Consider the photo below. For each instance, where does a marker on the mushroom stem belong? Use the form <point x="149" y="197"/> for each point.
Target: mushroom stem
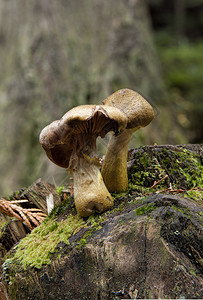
<point x="114" y="168"/>
<point x="90" y="192"/>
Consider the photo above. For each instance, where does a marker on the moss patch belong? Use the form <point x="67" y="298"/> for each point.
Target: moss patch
<point x="183" y="169"/>
<point x="93" y="224"/>
<point x="145" y="209"/>
<point x="145" y="170"/>
<point x="196" y="195"/>
<point x="43" y="243"/>
<point x="36" y="248"/>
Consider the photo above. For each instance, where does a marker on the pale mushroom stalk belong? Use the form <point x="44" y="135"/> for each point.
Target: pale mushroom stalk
<point x="71" y="143"/>
<point x="114" y="167"/>
<point x="139" y="114"/>
<point x="90" y="192"/>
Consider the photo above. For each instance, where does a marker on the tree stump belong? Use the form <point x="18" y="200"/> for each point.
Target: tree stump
<point x="37" y="195"/>
<point x="149" y="245"/>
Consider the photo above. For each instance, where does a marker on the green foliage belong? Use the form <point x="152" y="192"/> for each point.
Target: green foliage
<point x="183" y="66"/>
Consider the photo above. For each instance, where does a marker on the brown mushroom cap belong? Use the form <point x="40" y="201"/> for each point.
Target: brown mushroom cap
<point x="62" y="138"/>
<point x="138" y="111"/>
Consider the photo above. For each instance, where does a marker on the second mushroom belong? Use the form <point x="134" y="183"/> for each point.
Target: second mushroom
<point x="139" y="113"/>
<point x="71" y="143"/>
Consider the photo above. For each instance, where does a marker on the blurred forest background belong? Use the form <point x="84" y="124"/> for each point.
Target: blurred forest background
<point x="58" y="54"/>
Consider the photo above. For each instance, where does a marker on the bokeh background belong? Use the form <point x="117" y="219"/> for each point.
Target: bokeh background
<point x="58" y="54"/>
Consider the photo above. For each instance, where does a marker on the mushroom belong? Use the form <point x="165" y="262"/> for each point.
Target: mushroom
<point x="71" y="143"/>
<point x="139" y="113"/>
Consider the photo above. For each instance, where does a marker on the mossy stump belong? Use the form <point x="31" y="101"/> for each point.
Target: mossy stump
<point x="149" y="245"/>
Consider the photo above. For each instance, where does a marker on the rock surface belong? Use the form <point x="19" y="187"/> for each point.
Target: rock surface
<point x="149" y="245"/>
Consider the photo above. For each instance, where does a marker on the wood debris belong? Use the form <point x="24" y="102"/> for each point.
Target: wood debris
<point x="171" y="190"/>
<point x="178" y="191"/>
<point x="157" y="182"/>
<point x="32" y="217"/>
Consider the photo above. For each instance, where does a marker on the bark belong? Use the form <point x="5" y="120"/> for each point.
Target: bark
<point x="37" y="195"/>
<point x="12" y="233"/>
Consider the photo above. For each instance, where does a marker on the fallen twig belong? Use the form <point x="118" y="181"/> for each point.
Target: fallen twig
<point x="18" y="201"/>
<point x="165" y="190"/>
<point x="26" y="215"/>
<point x="178" y="191"/>
<point x="195" y="189"/>
<point x="156" y="182"/>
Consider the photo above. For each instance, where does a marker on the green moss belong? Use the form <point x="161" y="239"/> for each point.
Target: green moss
<point x="145" y="171"/>
<point x="119" y="195"/>
<point x="94" y="223"/>
<point x="4" y="224"/>
<point x="145" y="209"/>
<point x="183" y="167"/>
<point x="193" y="272"/>
<point x="196" y="195"/>
<point x="61" y="208"/>
<point x="185" y="211"/>
<point x="59" y="190"/>
<point x="36" y="248"/>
